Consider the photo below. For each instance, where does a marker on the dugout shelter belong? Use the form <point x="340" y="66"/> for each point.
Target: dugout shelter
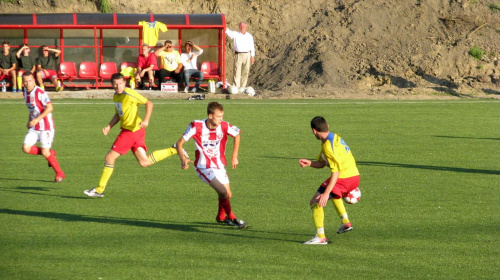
<point x="96" y="42"/>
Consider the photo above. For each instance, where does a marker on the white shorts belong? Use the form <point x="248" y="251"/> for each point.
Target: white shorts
<point x="45" y="137"/>
<point x="208" y="174"/>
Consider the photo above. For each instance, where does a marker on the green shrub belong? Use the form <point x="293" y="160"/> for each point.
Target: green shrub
<point x="106" y="7"/>
<point x="476" y="52"/>
<point x="495" y="7"/>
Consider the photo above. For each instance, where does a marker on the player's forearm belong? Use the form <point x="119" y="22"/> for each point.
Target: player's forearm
<point x="236" y="146"/>
<point x="318" y="164"/>
<point x="149" y="111"/>
<point x="333" y="181"/>
<point x="114" y="120"/>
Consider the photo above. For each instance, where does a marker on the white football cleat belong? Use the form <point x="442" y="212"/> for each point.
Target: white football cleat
<point x="316" y="241"/>
<point x="93" y="193"/>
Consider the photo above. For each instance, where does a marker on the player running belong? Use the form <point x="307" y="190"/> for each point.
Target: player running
<point x="133" y="133"/>
<point x="40" y="124"/>
<point x="344" y="178"/>
<point x="210" y="136"/>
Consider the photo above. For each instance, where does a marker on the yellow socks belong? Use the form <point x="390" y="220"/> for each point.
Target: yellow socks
<point x="160" y="155"/>
<point x="19" y="82"/>
<point x="339" y="206"/>
<point x="318" y="218"/>
<point x="106" y="174"/>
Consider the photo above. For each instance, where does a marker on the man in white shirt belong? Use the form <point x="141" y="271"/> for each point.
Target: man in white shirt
<point x="189" y="61"/>
<point x="244" y="54"/>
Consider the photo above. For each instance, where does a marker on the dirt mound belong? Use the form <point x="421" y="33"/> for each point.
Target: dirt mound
<point x="341" y="47"/>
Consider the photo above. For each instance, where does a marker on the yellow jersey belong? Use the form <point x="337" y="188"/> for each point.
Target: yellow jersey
<point x="337" y="155"/>
<point x="150" y="31"/>
<point x="127" y="105"/>
<point x="170" y="60"/>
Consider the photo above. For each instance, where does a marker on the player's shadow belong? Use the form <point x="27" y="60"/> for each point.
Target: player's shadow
<point x="429" y="167"/>
<point x="193" y="227"/>
<point x="44" y="191"/>
<point x="466" y="137"/>
<point x="24" y="180"/>
<point x="100" y="219"/>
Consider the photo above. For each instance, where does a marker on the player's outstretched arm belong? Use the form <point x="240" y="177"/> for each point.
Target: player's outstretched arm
<point x="315" y="164"/>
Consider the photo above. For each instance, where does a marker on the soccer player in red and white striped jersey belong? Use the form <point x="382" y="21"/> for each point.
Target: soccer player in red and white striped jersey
<point x="40" y="124"/>
<point x="210" y="136"/>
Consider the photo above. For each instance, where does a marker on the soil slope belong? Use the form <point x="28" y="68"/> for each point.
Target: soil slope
<point x="345" y="48"/>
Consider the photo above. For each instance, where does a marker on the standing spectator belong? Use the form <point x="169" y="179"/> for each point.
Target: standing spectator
<point x="344" y="178"/>
<point x="170" y="63"/>
<point x="40" y="124"/>
<point x="189" y="61"/>
<point x="146" y="63"/>
<point x="26" y="64"/>
<point x="46" y="66"/>
<point x="210" y="136"/>
<point x="244" y="55"/>
<point x="8" y="64"/>
<point x="132" y="135"/>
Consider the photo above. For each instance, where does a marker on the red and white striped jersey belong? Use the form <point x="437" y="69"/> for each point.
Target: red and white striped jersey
<point x="36" y="101"/>
<point x="210" y="143"/>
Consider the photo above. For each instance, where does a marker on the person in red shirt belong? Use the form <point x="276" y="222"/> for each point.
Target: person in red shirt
<point x="146" y="63"/>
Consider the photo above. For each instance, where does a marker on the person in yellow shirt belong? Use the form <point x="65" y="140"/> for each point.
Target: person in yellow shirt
<point x="344" y="178"/>
<point x="132" y="135"/>
<point x="170" y="64"/>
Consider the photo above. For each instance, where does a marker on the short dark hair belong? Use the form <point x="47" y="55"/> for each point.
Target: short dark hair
<point x="27" y="73"/>
<point x="319" y="124"/>
<point x="117" y="76"/>
<point x="167" y="42"/>
<point x="214" y="106"/>
<point x="5" y="43"/>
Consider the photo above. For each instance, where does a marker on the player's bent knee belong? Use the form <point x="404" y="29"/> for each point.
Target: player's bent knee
<point x="26" y="149"/>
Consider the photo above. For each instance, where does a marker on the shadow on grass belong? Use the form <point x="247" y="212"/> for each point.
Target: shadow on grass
<point x="99" y="219"/>
<point x="148" y="223"/>
<point x="429" y="167"/>
<point x="38" y="191"/>
<point x="463" y="137"/>
<point x="24" y="180"/>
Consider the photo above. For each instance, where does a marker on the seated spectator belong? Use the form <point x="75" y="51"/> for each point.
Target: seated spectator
<point x="170" y="63"/>
<point x="8" y="64"/>
<point x="188" y="60"/>
<point x="25" y="64"/>
<point x="146" y="63"/>
<point x="46" y="66"/>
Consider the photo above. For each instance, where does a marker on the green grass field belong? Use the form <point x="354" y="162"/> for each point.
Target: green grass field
<point x="429" y="210"/>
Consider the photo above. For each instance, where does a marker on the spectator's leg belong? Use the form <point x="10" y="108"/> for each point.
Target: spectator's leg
<point x="198" y="74"/>
<point x="187" y="75"/>
<point x="39" y="78"/>
<point x="237" y="69"/>
<point x="151" y="78"/>
<point x="162" y="75"/>
<point x="245" y="69"/>
<point x="13" y="75"/>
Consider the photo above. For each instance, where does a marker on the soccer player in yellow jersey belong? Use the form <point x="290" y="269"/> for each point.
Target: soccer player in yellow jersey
<point x="344" y="178"/>
<point x="132" y="135"/>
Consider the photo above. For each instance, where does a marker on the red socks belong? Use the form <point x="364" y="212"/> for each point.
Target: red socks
<point x="53" y="162"/>
<point x="225" y="207"/>
<point x="35" y="150"/>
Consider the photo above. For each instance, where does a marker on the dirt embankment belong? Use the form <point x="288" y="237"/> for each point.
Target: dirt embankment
<point x="347" y="48"/>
